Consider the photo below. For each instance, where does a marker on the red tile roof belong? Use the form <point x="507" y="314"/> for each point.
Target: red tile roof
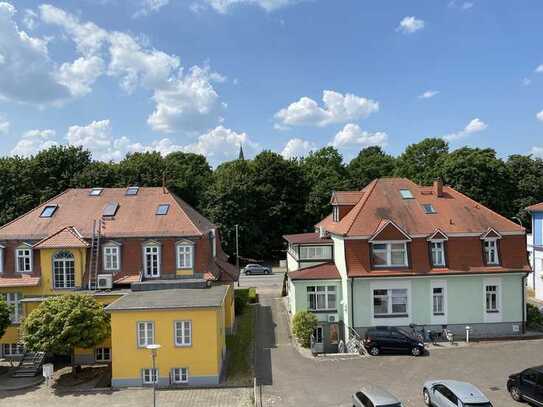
<point x="441" y="271"/>
<point x="22" y="281"/>
<point x="349" y="198"/>
<point x="306" y="238"/>
<point x="67" y="237"/>
<point x="135" y="216"/>
<point x="127" y="279"/>
<point x="455" y="212"/>
<point x="535" y="208"/>
<point x="326" y="271"/>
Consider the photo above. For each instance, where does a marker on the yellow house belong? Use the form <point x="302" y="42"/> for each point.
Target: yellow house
<point x="141" y="246"/>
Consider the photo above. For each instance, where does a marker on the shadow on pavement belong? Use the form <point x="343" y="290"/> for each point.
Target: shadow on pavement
<point x="265" y="341"/>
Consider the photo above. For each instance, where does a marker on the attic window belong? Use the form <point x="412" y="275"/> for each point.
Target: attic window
<point x="132" y="190"/>
<point x="48" y="211"/>
<point x="406" y="194"/>
<point x="162" y="209"/>
<point x="429" y="208"/>
<point x="110" y="209"/>
<point x="96" y="191"/>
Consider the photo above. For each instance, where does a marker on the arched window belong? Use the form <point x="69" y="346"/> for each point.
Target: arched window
<point x="64" y="270"/>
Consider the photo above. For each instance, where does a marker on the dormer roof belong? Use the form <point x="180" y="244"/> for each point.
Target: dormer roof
<point x="66" y="238"/>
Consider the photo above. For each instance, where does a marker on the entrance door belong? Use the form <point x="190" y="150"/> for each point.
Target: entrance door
<point x="317" y="344"/>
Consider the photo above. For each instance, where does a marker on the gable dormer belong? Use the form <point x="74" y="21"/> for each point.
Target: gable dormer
<point x="342" y="202"/>
<point x="389" y="231"/>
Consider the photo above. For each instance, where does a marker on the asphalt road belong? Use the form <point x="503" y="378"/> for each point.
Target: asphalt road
<point x="290" y="379"/>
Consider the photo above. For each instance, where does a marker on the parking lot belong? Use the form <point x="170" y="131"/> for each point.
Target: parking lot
<point x="290" y="379"/>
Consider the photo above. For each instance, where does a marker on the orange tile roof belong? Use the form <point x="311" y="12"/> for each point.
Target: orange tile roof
<point x="326" y="271"/>
<point x="535" y="208"/>
<point x="135" y="216"/>
<point x="127" y="279"/>
<point x="67" y="237"/>
<point x="455" y="212"/>
<point x="22" y="281"/>
<point x="349" y="198"/>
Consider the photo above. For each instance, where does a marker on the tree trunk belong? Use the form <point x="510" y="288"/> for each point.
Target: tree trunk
<point x="75" y="367"/>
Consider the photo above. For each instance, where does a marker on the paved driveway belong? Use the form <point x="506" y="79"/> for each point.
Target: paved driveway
<point x="290" y="379"/>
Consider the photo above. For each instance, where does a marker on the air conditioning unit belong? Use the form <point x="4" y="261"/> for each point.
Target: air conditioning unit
<point x="104" y="281"/>
<point x="332" y="318"/>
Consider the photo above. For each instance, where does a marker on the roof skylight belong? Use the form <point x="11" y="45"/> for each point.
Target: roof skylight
<point x="132" y="190"/>
<point x="162" y="209"/>
<point x="429" y="208"/>
<point x="48" y="211"/>
<point x="110" y="209"/>
<point x="96" y="191"/>
<point x="406" y="194"/>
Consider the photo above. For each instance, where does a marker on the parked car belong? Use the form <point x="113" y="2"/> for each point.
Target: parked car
<point x="256" y="269"/>
<point x="448" y="393"/>
<point x="390" y="339"/>
<point x="527" y="386"/>
<point x="375" y="396"/>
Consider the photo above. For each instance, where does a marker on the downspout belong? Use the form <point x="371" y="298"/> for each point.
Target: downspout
<point x="352" y="303"/>
<point x="523" y="286"/>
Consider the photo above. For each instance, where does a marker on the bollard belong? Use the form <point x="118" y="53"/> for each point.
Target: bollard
<point x="468" y="329"/>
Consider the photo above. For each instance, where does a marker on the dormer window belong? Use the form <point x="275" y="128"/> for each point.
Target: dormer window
<point x="389" y="254"/>
<point x="48" y="211"/>
<point x="24" y="259"/>
<point x="335" y="213"/>
<point x="438" y="253"/>
<point x="491" y="251"/>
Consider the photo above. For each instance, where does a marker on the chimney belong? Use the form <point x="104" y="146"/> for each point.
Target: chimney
<point x="438" y="188"/>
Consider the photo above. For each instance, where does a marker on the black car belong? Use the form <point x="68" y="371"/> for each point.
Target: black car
<point x="527" y="386"/>
<point x="389" y="339"/>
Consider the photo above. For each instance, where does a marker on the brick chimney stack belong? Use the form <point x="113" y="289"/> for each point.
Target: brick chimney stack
<point x="438" y="188"/>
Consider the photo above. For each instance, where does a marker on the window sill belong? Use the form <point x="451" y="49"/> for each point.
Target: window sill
<point x="391" y="316"/>
<point x="438" y="314"/>
<point x="322" y="311"/>
<point x="391" y="266"/>
<point x="183" y="346"/>
<point x="493" y="312"/>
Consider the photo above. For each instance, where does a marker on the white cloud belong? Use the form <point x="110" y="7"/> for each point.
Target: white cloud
<point x="297" y="147"/>
<point x="4" y="125"/>
<point x="526" y="82"/>
<point x="34" y="141"/>
<point x="187" y="103"/>
<point x="223" y="6"/>
<point x="410" y="24"/>
<point x="220" y="144"/>
<point x="150" y="6"/>
<point x="540" y="116"/>
<point x="81" y="74"/>
<point x="338" y="108"/>
<point x="30" y="19"/>
<point x="474" y="126"/>
<point x="537" y="152"/>
<point x="428" y="94"/>
<point x="352" y="135"/>
<point x="27" y="71"/>
<point x="539" y="69"/>
<point x="466" y="5"/>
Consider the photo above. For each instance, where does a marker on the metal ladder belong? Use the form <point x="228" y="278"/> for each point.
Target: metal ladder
<point x="94" y="253"/>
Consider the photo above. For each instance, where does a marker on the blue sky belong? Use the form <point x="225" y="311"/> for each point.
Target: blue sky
<point x="206" y="75"/>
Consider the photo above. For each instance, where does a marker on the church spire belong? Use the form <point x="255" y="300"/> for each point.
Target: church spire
<point x="241" y="156"/>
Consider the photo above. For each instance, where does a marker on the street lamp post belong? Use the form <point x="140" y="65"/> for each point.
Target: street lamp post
<point x="237" y="250"/>
<point x="154" y="374"/>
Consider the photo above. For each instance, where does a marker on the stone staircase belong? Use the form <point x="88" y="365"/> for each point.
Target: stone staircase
<point x="30" y="364"/>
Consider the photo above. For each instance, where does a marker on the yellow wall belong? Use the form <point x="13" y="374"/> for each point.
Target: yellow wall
<point x="184" y="272"/>
<point x="229" y="308"/>
<point x="46" y="262"/>
<point x="202" y="358"/>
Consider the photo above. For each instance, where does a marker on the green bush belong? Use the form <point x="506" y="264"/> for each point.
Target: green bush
<point x="534" y="318"/>
<point x="303" y="324"/>
<point x="253" y="296"/>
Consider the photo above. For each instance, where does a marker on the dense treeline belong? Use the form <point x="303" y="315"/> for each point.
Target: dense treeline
<point x="269" y="196"/>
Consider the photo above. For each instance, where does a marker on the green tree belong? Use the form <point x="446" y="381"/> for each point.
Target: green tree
<point x="420" y="162"/>
<point x="479" y="174"/>
<point x="60" y="324"/>
<point x="324" y="173"/>
<point x="280" y="195"/>
<point x="370" y="163"/>
<point x="142" y="169"/>
<point x="188" y="175"/>
<point x="527" y="176"/>
<point x="4" y="316"/>
<point x="303" y="324"/>
<point x="17" y="194"/>
<point x="99" y="174"/>
<point x="230" y="200"/>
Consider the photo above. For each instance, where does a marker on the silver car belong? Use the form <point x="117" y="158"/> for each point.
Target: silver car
<point x="450" y="393"/>
<point x="255" y="269"/>
<point x="375" y="396"/>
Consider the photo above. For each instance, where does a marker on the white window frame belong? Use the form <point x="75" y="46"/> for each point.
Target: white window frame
<point x="100" y="354"/>
<point x="114" y="253"/>
<point x="438" y="318"/>
<point x="146" y="338"/>
<point x="492" y="315"/>
<point x="388" y="252"/>
<point x="13" y="299"/>
<point x="180" y="375"/>
<point x="495" y="292"/>
<point x="389" y="296"/>
<point x="181" y="337"/>
<point x="324" y="293"/>
<point x="24" y="252"/>
<point x="12" y="349"/>
<point x="440" y="294"/>
<point x="146" y="248"/>
<point x="1" y="259"/>
<point x="488" y="250"/>
<point x="185" y="253"/>
<point x="437" y="251"/>
<point x="151" y="374"/>
<point x="322" y="252"/>
<point x="65" y="275"/>
<point x="335" y="213"/>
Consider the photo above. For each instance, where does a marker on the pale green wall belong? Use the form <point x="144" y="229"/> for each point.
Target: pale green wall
<point x="299" y="294"/>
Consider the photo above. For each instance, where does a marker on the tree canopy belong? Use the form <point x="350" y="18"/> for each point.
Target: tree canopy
<point x="4" y="316"/>
<point x="420" y="162"/>
<point x="60" y="324"/>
